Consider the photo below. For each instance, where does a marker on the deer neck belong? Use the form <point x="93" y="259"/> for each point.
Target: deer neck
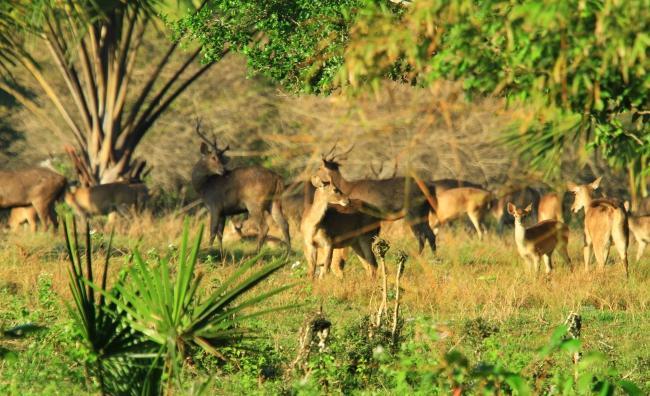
<point x="317" y="209"/>
<point x="340" y="182"/>
<point x="200" y="177"/>
<point x="520" y="234"/>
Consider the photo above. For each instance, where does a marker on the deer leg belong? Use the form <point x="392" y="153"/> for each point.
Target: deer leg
<point x="422" y="230"/>
<point x="262" y="227"/>
<point x="337" y="262"/>
<point x="311" y="255"/>
<point x="535" y="264"/>
<point x="363" y="249"/>
<point x="476" y="222"/>
<point x="547" y="263"/>
<point x="215" y="218"/>
<point x="31" y="220"/>
<point x="43" y="211"/>
<point x="586" y="250"/>
<point x="639" y="252"/>
<point x="621" y="244"/>
<point x="281" y="221"/>
<point x="434" y="223"/>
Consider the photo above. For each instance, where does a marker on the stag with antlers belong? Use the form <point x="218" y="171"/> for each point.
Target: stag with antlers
<point x="392" y="198"/>
<point x="252" y="189"/>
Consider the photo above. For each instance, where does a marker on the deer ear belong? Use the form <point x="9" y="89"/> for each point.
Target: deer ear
<point x="317" y="182"/>
<point x="596" y="183"/>
<point x="529" y="208"/>
<point x="511" y="208"/>
<point x="204" y="148"/>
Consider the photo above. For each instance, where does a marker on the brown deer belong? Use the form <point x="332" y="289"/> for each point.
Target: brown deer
<point x="455" y="202"/>
<point x="38" y="187"/>
<point x="22" y="214"/>
<point x="447" y="184"/>
<point x="550" y="207"/>
<point x="393" y="198"/>
<point x="518" y="196"/>
<point x="106" y="198"/>
<point x="605" y="220"/>
<point x="639" y="226"/>
<point x="537" y="243"/>
<point x="640" y="229"/>
<point x="252" y="189"/>
<point x="333" y="221"/>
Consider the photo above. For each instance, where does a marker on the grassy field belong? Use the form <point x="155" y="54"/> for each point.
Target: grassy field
<point x="473" y="298"/>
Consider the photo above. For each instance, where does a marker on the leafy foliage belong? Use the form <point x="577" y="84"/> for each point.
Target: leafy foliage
<point x="122" y="360"/>
<point x="139" y="332"/>
<point x="297" y="43"/>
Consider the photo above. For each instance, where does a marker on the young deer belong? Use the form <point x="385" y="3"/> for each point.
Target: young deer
<point x="332" y="221"/>
<point x="455" y="202"/>
<point x="605" y="220"/>
<point x="538" y="241"/>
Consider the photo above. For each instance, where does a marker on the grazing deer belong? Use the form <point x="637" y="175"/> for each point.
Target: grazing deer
<point x="538" y="242"/>
<point x="22" y="214"/>
<point x="519" y="197"/>
<point x="605" y="220"/>
<point x="106" y="198"/>
<point x="393" y="198"/>
<point x="252" y="189"/>
<point x="550" y="207"/>
<point x="38" y="187"/>
<point x="333" y="221"/>
<point x="455" y="202"/>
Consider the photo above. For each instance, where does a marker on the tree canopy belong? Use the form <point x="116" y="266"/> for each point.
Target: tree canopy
<point x="581" y="65"/>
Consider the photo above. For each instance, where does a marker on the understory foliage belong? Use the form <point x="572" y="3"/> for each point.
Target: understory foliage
<point x="139" y="332"/>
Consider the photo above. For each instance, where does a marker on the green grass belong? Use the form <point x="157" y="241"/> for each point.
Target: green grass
<point x="474" y="298"/>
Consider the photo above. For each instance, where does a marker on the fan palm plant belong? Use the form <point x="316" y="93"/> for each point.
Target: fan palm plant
<point x="162" y="303"/>
<point x="122" y="360"/>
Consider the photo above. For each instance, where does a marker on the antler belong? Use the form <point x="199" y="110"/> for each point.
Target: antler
<point x="330" y="156"/>
<point x="213" y="142"/>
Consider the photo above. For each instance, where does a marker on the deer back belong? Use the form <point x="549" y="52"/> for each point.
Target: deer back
<point x="22" y="187"/>
<point x="242" y="188"/>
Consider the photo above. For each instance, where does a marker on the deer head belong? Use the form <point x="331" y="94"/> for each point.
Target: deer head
<point x="212" y="156"/>
<point x="519" y="214"/>
<point x="582" y="193"/>
<point x="329" y="169"/>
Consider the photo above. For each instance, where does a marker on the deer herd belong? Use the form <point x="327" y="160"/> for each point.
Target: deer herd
<point x="333" y="213"/>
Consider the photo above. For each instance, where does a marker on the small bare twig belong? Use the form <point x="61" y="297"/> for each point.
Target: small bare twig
<point x="379" y="248"/>
<point x="401" y="260"/>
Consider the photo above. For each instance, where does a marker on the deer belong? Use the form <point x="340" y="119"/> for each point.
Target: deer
<point x="22" y="214"/>
<point x="334" y="221"/>
<point x="640" y="228"/>
<point x="605" y="220"/>
<point x="393" y="198"/>
<point x="38" y="187"/>
<point x="537" y="242"/>
<point x="455" y="202"/>
<point x="518" y="196"/>
<point x="447" y="184"/>
<point x="251" y="189"/>
<point x="106" y="198"/>
<point x="550" y="207"/>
